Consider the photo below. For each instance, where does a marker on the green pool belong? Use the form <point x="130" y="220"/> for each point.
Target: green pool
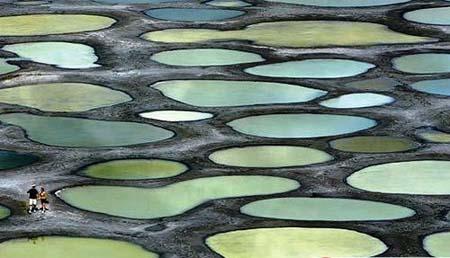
<point x="300" y="125"/>
<point x="209" y="93"/>
<point x="312" y="68"/>
<point x="435" y="136"/>
<point x="71" y="247"/>
<point x="295" y="242"/>
<point x="80" y="132"/>
<point x="435" y="16"/>
<point x="440" y="87"/>
<point x="205" y="57"/>
<point x="437" y="244"/>
<point x="12" y="159"/>
<point x="269" y="156"/>
<point x="429" y="63"/>
<point x="341" y="3"/>
<point x="295" y="34"/>
<point x="176" y="115"/>
<point x="63" y="97"/>
<point x="424" y="177"/>
<point x="357" y="100"/>
<point x="133" y="169"/>
<point x="45" y="24"/>
<point x="7" y="68"/>
<point x="373" y="144"/>
<point x="325" y="209"/>
<point x="60" y="54"/>
<point x="4" y="212"/>
<point x="172" y="199"/>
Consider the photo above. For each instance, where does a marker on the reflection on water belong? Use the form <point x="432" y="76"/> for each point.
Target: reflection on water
<point x="441" y="87"/>
<point x="173" y="199"/>
<point x="71" y="247"/>
<point x="193" y="14"/>
<point x="79" y="132"/>
<point x="209" y="93"/>
<point x="176" y="115"/>
<point x="290" y="242"/>
<point x="325" y="209"/>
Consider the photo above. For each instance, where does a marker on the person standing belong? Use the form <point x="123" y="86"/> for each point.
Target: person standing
<point x="43" y="198"/>
<point x="32" y="196"/>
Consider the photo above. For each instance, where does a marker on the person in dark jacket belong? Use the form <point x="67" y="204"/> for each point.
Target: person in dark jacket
<point x="33" y="195"/>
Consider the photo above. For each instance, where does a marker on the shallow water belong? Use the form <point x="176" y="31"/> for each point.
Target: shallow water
<point x="172" y="199"/>
<point x="341" y="3"/>
<point x="7" y="68"/>
<point x="325" y="209"/>
<point x="312" y="68"/>
<point x="63" y="97"/>
<point x="383" y="83"/>
<point x="357" y="100"/>
<point x="295" y="34"/>
<point x="205" y="57"/>
<point x="228" y="3"/>
<point x="300" y="125"/>
<point x="437" y="244"/>
<point x="71" y="247"/>
<point x="4" y="212"/>
<point x="441" y="87"/>
<point x="436" y="16"/>
<point x="45" y="24"/>
<point x="80" y="132"/>
<point x="60" y="54"/>
<point x="424" y="177"/>
<point x="134" y="1"/>
<point x="373" y="144"/>
<point x="133" y="169"/>
<point x="176" y="115"/>
<point x="209" y="93"/>
<point x="193" y="14"/>
<point x="423" y="63"/>
<point x="293" y="242"/>
<point x="12" y="159"/>
<point x="435" y="136"/>
<point x="269" y="156"/>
